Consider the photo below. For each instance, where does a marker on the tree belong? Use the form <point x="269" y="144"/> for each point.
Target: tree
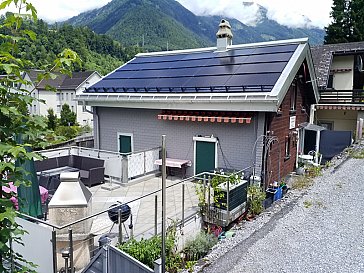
<point x="51" y="119"/>
<point x="68" y="118"/>
<point x="14" y="120"/>
<point x="347" y="22"/>
<point x="357" y="20"/>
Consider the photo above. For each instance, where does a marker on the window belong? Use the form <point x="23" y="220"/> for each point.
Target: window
<point x="62" y="96"/>
<point x="293" y="97"/>
<point x="66" y="96"/>
<point x="72" y="95"/>
<point x="330" y="81"/>
<point x="58" y="109"/>
<point x="125" y="143"/>
<point x="287" y="147"/>
<point x="35" y="109"/>
<point x="329" y="125"/>
<point x="58" y="95"/>
<point x="72" y="108"/>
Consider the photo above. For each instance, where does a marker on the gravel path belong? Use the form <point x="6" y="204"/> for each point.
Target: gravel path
<point x="317" y="230"/>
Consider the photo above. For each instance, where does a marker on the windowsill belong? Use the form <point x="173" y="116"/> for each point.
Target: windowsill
<point x="291" y="112"/>
<point x="287" y="158"/>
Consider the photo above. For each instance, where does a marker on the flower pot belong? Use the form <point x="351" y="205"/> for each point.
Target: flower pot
<point x="300" y="170"/>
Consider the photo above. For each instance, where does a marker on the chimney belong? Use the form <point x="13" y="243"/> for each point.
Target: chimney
<point x="224" y="35"/>
<point x="72" y="202"/>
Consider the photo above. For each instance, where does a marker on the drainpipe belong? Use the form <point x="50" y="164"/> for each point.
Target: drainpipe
<point x="312" y="113"/>
<point x="97" y="127"/>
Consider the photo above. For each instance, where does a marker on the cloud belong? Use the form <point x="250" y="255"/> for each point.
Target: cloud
<point x="59" y="10"/>
<point x="292" y="13"/>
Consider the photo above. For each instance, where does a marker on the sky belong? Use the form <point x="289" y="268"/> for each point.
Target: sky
<point x="292" y="13"/>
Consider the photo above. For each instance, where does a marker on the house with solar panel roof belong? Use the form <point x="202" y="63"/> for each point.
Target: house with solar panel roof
<point x="229" y="106"/>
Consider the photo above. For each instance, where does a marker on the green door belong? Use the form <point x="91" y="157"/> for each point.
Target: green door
<point x="124" y="144"/>
<point x="205" y="156"/>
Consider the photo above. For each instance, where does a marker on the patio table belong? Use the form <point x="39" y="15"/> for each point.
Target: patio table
<point x="175" y="163"/>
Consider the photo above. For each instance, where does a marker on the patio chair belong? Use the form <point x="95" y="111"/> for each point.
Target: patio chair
<point x="312" y="162"/>
<point x="44" y="180"/>
<point x="53" y="185"/>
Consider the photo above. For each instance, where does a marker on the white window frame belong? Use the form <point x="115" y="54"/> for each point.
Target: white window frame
<point x="125" y="134"/>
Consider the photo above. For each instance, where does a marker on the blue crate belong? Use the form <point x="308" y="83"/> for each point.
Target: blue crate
<point x="275" y="192"/>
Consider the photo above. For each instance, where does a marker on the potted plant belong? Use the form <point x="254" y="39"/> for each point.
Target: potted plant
<point x="256" y="196"/>
<point x="301" y="168"/>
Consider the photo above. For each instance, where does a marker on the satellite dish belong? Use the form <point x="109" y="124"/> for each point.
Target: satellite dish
<point x="114" y="211"/>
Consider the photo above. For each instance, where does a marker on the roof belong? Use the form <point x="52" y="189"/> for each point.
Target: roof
<point x="322" y="57"/>
<point x="264" y="70"/>
<point x="62" y="82"/>
<point x="311" y="127"/>
<point x="116" y="261"/>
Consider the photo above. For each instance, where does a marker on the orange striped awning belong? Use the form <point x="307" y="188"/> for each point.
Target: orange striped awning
<point x="340" y="107"/>
<point x="202" y="116"/>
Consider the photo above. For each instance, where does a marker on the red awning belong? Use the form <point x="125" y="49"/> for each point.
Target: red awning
<point x="340" y="107"/>
<point x="200" y="116"/>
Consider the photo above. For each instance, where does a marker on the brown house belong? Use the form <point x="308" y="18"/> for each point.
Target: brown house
<point x="340" y="79"/>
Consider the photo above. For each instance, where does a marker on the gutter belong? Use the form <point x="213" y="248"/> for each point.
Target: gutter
<point x="95" y="114"/>
<point x="204" y="101"/>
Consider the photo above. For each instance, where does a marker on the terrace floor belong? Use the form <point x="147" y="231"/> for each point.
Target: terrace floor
<point x="143" y="210"/>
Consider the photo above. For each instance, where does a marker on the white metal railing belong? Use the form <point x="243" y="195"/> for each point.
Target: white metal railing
<point x="135" y="164"/>
<point x="141" y="163"/>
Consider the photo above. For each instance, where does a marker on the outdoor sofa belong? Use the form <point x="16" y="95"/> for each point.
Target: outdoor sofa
<point x="91" y="169"/>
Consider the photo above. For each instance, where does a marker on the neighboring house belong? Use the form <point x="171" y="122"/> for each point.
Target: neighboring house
<point x="213" y="104"/>
<point x="66" y="90"/>
<point x="340" y="79"/>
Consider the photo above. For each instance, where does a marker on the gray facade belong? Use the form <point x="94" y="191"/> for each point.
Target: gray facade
<point x="235" y="140"/>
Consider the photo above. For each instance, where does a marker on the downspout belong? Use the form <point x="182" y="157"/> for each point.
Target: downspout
<point x="96" y="122"/>
<point x="264" y="159"/>
<point x="312" y="113"/>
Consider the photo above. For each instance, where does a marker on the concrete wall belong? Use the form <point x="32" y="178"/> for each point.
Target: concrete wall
<point x="235" y="140"/>
<point x="50" y="102"/>
<point x="342" y="119"/>
<point x="84" y="118"/>
<point x="343" y="80"/>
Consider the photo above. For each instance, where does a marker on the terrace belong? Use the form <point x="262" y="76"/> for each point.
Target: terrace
<point x="333" y="96"/>
<point x="129" y="180"/>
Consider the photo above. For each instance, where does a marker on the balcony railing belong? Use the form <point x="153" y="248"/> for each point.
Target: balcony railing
<point x="355" y="96"/>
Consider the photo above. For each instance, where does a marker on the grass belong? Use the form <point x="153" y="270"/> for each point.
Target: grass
<point x="317" y="204"/>
<point x="302" y="182"/>
<point x="357" y="154"/>
<point x="307" y="203"/>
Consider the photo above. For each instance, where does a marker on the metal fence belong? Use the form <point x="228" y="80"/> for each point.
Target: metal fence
<point x="72" y="249"/>
<point x="342" y="96"/>
<point x="118" y="167"/>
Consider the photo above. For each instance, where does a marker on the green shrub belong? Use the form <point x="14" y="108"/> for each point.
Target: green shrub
<point x="255" y="200"/>
<point x="68" y="132"/>
<point x="148" y="250"/>
<point x="199" y="246"/>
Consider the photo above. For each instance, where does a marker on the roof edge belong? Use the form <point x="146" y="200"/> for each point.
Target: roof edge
<point x="208" y="49"/>
<point x="203" y="101"/>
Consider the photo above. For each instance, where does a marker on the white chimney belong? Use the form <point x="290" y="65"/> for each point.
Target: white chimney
<point x="224" y="35"/>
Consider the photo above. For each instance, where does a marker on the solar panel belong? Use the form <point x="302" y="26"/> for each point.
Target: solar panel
<point x="253" y="79"/>
<point x="261" y="68"/>
<point x="236" y="70"/>
<point x="207" y="81"/>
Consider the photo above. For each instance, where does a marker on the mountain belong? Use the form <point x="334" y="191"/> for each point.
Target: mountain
<point x="97" y="52"/>
<point x="166" y="24"/>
